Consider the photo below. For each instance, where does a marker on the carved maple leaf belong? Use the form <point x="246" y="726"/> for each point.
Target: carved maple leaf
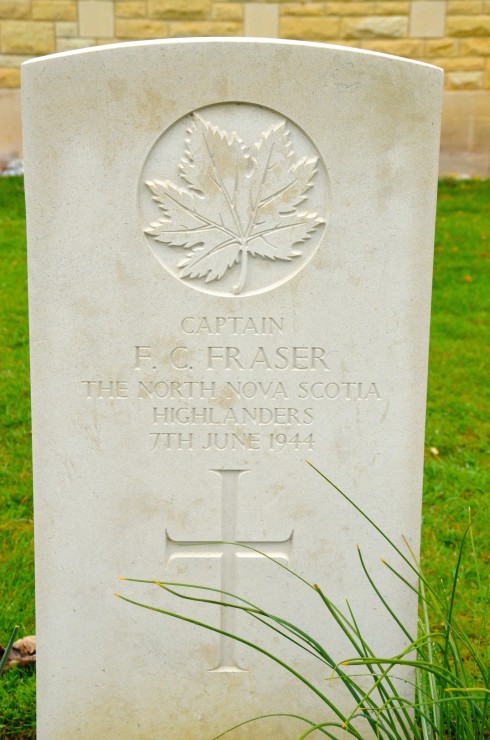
<point x="235" y="202"/>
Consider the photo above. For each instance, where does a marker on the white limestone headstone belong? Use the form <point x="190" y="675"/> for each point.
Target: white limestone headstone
<point x="230" y="248"/>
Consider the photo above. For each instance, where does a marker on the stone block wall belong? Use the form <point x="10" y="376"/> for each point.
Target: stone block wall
<point x="453" y="34"/>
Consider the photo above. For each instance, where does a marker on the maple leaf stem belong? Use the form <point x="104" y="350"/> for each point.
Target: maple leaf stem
<point x="243" y="271"/>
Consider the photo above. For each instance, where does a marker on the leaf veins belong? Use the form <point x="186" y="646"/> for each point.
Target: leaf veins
<point x="236" y="201"/>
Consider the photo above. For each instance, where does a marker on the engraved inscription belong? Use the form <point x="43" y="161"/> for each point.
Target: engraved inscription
<point x="235" y="325"/>
<point x="198" y="395"/>
<point x="227" y="553"/>
<point x="231" y="200"/>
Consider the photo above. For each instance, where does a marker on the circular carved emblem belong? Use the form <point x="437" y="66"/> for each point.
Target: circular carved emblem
<point x="233" y="199"/>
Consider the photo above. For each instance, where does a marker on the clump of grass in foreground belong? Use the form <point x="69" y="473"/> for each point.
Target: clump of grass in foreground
<point x="452" y="691"/>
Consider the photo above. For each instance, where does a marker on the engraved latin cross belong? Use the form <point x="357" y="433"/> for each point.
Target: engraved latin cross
<point x="280" y="550"/>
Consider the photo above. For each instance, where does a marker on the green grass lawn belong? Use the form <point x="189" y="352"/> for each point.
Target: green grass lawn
<point x="458" y="419"/>
<point x="17" y="687"/>
<point x="456" y="465"/>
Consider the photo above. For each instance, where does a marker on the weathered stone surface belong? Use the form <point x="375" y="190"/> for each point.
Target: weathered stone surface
<point x="227" y="12"/>
<point x="12" y="60"/>
<point x="141" y="29"/>
<point x="302" y="9"/>
<point x="456" y="23"/>
<point x="410" y="48"/>
<point x="476" y="25"/>
<point x="353" y="8"/>
<point x="104" y="42"/>
<point x="346" y="43"/>
<point x="204" y="28"/>
<point x="11" y="138"/>
<point x="132" y="9"/>
<point x="27" y="37"/>
<point x="439" y="47"/>
<point x="400" y="7"/>
<point x="179" y="9"/>
<point x="188" y="359"/>
<point x="310" y="29"/>
<point x="74" y="44"/>
<point x="461" y="64"/>
<point x="67" y="30"/>
<point x="54" y="10"/>
<point x="15" y="9"/>
<point x="9" y="78"/>
<point x="475" y="46"/>
<point x="465" y="7"/>
<point x="465" y="80"/>
<point x="375" y="27"/>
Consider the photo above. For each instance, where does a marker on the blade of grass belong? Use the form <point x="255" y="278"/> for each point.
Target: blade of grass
<point x="349" y="629"/>
<point x="267" y="716"/>
<point x="3" y="660"/>
<point x="252" y="645"/>
<point x="320" y="726"/>
<point x="453" y="589"/>
<point x="484" y="600"/>
<point x="384" y="692"/>
<point x="381" y="598"/>
<point x="254" y="612"/>
<point x="431" y="679"/>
